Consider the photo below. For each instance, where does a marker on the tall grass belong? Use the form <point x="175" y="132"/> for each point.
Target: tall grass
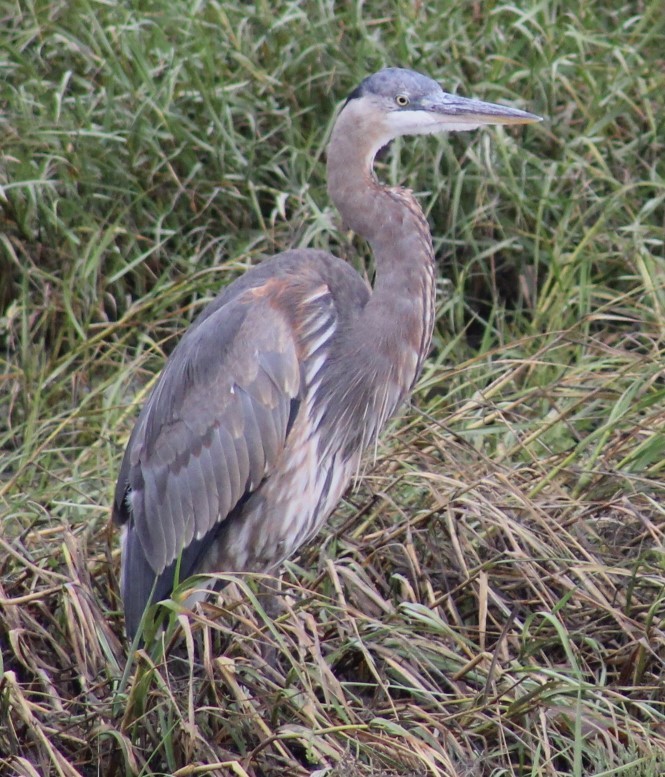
<point x="490" y="599"/>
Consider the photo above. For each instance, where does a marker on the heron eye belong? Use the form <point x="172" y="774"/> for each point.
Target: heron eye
<point x="402" y="100"/>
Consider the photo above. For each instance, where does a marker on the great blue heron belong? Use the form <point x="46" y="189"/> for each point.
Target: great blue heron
<point x="260" y="416"/>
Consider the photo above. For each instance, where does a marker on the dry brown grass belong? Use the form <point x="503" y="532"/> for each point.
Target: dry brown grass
<point x="463" y="613"/>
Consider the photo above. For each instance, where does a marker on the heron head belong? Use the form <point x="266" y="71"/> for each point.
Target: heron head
<point x="396" y="101"/>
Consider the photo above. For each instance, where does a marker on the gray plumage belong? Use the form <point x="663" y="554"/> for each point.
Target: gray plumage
<point x="261" y="414"/>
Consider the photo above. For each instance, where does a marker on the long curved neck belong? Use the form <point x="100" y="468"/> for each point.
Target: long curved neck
<point x="398" y="319"/>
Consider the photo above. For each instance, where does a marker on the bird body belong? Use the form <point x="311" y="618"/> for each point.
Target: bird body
<point x="262" y="412"/>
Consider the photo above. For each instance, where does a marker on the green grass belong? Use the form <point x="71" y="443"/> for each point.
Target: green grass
<point x="490" y="599"/>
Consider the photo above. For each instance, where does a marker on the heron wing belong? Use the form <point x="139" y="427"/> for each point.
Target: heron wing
<point x="212" y="429"/>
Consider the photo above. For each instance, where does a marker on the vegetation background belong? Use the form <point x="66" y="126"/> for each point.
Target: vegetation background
<point x="490" y="599"/>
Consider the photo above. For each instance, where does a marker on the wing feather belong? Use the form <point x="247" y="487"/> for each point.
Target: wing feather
<point x="212" y="429"/>
<point x="152" y="539"/>
<point x="200" y="499"/>
<point x="218" y="499"/>
<point x="266" y="421"/>
<point x="252" y="440"/>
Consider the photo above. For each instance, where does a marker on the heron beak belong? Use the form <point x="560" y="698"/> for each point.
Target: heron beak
<point x="459" y="113"/>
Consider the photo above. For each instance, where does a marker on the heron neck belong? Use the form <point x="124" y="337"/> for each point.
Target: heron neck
<point x="399" y="315"/>
<point x="389" y="218"/>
